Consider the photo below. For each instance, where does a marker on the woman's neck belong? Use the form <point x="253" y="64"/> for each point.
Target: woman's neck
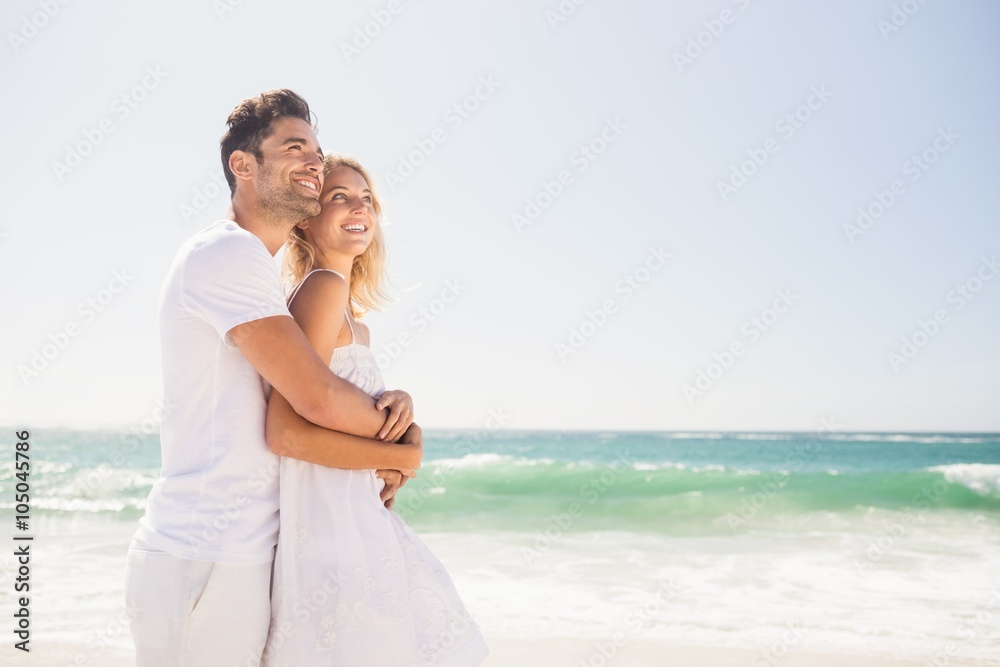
<point x="339" y="263"/>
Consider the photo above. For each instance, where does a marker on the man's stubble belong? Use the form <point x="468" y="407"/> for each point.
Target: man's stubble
<point x="280" y="205"/>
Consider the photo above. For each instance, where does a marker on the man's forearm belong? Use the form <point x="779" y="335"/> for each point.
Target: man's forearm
<point x="289" y="434"/>
<point x="346" y="408"/>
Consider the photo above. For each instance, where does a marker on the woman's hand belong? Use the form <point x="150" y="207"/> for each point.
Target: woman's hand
<point x="414" y="438"/>
<point x="400" y="414"/>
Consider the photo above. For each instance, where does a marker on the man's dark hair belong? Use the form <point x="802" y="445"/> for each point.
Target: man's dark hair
<point x="251" y="123"/>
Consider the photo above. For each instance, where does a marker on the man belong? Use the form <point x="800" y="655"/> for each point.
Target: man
<point x="199" y="568"/>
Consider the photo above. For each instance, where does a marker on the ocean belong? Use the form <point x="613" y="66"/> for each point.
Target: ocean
<point x="886" y="544"/>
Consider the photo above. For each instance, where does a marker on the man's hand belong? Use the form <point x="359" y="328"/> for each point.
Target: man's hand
<point x="394" y="480"/>
<point x="399" y="405"/>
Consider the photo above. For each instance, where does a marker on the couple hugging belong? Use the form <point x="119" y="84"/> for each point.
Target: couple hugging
<point x="264" y="393"/>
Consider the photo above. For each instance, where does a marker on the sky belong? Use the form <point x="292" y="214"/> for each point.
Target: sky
<point x="726" y="215"/>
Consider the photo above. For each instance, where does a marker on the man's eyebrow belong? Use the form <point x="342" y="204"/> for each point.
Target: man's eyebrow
<point x="294" y="140"/>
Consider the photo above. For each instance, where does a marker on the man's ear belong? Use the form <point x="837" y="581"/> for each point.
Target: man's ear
<point x="303" y="225"/>
<point x="240" y="164"/>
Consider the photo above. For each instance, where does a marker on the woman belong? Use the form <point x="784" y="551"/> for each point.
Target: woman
<point x="353" y="585"/>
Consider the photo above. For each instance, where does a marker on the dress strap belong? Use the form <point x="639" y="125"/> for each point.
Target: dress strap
<point x="303" y="282"/>
<point x="347" y="314"/>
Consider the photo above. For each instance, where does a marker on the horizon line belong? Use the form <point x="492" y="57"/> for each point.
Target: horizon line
<point x="118" y="426"/>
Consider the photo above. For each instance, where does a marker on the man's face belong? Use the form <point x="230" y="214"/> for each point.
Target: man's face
<point x="290" y="173"/>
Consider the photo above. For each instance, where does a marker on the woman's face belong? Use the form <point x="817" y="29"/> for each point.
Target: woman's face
<point x="346" y="222"/>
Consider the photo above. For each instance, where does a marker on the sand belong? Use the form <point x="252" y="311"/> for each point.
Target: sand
<point x="560" y="652"/>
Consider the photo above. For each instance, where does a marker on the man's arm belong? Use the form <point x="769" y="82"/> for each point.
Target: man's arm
<point x="281" y="353"/>
<point x="319" y="318"/>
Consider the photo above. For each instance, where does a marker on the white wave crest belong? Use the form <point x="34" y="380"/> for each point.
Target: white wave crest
<point x="983" y="478"/>
<point x="487" y="460"/>
<point x="926" y="438"/>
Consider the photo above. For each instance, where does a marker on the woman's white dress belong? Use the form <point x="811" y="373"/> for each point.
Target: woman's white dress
<point x="353" y="585"/>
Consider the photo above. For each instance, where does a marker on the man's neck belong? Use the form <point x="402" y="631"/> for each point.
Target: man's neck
<point x="272" y="233"/>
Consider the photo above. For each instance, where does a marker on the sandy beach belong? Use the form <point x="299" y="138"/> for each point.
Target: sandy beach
<point x="559" y="652"/>
<point x="88" y="629"/>
<point x="510" y="652"/>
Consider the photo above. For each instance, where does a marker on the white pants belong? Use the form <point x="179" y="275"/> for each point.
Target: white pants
<point x="189" y="613"/>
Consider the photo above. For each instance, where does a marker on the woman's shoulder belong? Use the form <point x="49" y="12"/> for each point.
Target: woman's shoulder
<point x="320" y="281"/>
<point x="318" y="290"/>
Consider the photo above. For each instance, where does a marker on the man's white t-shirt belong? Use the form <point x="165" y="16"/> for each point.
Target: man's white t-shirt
<point x="217" y="495"/>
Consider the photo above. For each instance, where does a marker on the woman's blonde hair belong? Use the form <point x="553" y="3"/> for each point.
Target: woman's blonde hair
<point x="368" y="273"/>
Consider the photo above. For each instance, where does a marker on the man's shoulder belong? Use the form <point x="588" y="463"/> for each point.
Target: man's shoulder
<point x="221" y="266"/>
<point x="222" y="237"/>
<point x="220" y="246"/>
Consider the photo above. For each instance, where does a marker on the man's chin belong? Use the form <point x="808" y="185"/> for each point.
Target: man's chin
<point x="291" y="210"/>
<point x="314" y="208"/>
<point x="309" y="207"/>
<point x="304" y="208"/>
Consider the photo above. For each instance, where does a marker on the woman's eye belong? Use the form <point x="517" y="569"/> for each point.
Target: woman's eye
<point x="368" y="199"/>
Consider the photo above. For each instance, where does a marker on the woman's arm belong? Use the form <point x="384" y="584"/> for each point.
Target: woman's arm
<point x="288" y="434"/>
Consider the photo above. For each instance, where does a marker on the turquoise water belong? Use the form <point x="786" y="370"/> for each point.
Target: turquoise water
<point x="656" y="482"/>
<point x="693" y="483"/>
